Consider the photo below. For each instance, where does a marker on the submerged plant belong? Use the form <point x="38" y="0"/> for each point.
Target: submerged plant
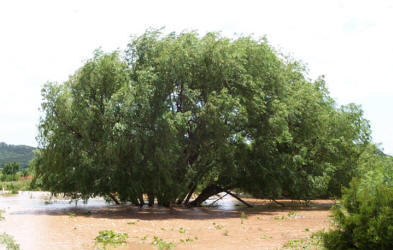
<point x="161" y="244"/>
<point x="266" y="237"/>
<point x="293" y="214"/>
<point x="9" y="242"/>
<point x="1" y="214"/>
<point x="217" y="226"/>
<point x="312" y="242"/>
<point x="109" y="237"/>
<point x="243" y="216"/>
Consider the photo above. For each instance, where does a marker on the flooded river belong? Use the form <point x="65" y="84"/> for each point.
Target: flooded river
<point x="36" y="222"/>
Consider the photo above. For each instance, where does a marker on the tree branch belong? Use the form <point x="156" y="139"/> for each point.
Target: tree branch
<point x="238" y="198"/>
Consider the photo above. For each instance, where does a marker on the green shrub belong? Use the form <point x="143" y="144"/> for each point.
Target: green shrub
<point x="364" y="219"/>
<point x="15" y="186"/>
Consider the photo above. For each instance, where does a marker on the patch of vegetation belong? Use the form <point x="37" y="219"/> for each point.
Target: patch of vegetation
<point x="312" y="242"/>
<point x="218" y="226"/>
<point x="1" y="215"/>
<point x="182" y="230"/>
<point x="161" y="244"/>
<point x="187" y="240"/>
<point x="132" y="222"/>
<point x="279" y="218"/>
<point x="71" y="214"/>
<point x="15" y="186"/>
<point x="293" y="214"/>
<point x="9" y="242"/>
<point x="226" y="233"/>
<point x="110" y="238"/>
<point x="243" y="217"/>
<point x="364" y="217"/>
<point x="265" y="237"/>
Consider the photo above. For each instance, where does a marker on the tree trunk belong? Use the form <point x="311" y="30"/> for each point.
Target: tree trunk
<point x="181" y="199"/>
<point x="113" y="197"/>
<point x="150" y="198"/>
<point x="141" y="200"/>
<point x="206" y="193"/>
<point x="190" y="194"/>
<point x="135" y="201"/>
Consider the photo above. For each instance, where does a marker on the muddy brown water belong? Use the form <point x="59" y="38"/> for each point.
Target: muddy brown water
<point x="36" y="223"/>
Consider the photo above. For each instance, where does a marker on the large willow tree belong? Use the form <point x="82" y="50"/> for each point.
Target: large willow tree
<point x="178" y="114"/>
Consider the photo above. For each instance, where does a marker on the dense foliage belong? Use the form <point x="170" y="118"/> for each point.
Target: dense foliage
<point x="365" y="216"/>
<point x="9" y="171"/>
<point x="180" y="113"/>
<point x="19" y="153"/>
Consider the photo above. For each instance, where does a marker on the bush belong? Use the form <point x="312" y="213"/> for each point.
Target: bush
<point x="364" y="219"/>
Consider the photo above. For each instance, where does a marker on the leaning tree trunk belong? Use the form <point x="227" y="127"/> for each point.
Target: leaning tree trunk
<point x="187" y="200"/>
<point x="113" y="197"/>
<point x="209" y="191"/>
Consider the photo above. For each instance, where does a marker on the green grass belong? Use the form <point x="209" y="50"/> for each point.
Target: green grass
<point x="9" y="242"/>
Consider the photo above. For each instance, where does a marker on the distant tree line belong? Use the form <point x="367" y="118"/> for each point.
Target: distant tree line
<point x="9" y="171"/>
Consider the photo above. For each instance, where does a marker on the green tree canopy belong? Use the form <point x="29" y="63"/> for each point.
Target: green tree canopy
<point x="178" y="113"/>
<point x="10" y="168"/>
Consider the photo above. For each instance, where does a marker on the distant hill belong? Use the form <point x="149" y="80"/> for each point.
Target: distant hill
<point x="19" y="153"/>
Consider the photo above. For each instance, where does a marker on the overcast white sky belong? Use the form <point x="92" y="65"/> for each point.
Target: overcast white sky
<point x="348" y="41"/>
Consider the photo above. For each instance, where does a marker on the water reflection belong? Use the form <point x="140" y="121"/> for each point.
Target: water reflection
<point x="42" y="201"/>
